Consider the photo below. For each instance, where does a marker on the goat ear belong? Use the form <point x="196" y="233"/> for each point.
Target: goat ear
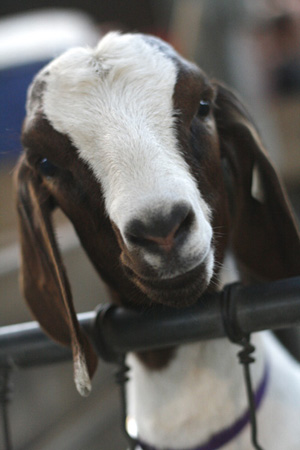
<point x="265" y="239"/>
<point x="44" y="282"/>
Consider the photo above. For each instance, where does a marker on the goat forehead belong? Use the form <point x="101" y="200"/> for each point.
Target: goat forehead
<point x="115" y="103"/>
<point x="123" y="75"/>
<point x="98" y="95"/>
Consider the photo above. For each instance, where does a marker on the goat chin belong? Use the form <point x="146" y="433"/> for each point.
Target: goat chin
<point x="179" y="292"/>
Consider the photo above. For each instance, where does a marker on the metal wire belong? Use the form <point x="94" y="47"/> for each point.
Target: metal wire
<point x="236" y="336"/>
<point x="121" y="378"/>
<point x="5" y="397"/>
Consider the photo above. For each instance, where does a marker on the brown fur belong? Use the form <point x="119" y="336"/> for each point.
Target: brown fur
<point x="262" y="236"/>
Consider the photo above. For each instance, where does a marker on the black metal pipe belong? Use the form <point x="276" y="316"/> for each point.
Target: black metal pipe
<point x="26" y="345"/>
<point x="272" y="306"/>
<point x="116" y="330"/>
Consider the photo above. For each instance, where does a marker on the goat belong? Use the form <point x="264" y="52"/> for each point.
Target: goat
<point x="162" y="173"/>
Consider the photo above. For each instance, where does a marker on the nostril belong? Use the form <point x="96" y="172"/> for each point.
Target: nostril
<point x="138" y="241"/>
<point x="184" y="227"/>
<point x="136" y="233"/>
<point x="161" y="231"/>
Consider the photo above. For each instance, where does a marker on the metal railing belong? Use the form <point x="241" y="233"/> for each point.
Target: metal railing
<point x="115" y="331"/>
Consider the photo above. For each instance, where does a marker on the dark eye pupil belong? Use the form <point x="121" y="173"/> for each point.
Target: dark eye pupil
<point x="47" y="168"/>
<point x="204" y="108"/>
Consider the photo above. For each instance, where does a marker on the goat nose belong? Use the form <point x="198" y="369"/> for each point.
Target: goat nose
<point x="161" y="231"/>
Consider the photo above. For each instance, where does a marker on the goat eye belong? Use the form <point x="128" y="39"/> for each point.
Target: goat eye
<point x="204" y="109"/>
<point x="47" y="168"/>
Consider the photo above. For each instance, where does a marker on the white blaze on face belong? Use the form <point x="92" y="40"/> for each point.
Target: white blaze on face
<point x="115" y="102"/>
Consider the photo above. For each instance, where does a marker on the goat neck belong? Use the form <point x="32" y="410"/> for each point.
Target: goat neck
<point x="198" y="395"/>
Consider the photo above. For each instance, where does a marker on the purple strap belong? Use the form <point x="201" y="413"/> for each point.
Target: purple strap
<point x="227" y="434"/>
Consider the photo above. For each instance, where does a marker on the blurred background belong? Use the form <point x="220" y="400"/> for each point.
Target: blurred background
<point x="252" y="45"/>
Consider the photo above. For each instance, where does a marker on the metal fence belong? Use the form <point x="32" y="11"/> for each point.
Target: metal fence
<point x="115" y="331"/>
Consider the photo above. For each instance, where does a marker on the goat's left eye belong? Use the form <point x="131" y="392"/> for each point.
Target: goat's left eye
<point x="204" y="109"/>
<point x="47" y="168"/>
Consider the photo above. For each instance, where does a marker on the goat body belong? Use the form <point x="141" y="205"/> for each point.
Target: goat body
<point x="162" y="173"/>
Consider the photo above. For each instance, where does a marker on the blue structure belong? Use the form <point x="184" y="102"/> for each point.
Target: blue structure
<point x="14" y="82"/>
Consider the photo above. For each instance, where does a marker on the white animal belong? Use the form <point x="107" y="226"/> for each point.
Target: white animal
<point x="162" y="172"/>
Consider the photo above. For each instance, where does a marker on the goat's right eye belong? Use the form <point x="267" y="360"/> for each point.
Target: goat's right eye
<point x="47" y="168"/>
<point x="204" y="109"/>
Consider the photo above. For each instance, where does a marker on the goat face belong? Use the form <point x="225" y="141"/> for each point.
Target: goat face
<point x="152" y="159"/>
<point x="129" y="140"/>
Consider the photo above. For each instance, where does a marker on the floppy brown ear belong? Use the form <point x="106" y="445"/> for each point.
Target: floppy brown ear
<point x="43" y="277"/>
<point x="265" y="239"/>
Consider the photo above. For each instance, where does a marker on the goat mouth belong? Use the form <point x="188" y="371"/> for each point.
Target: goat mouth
<point x="180" y="291"/>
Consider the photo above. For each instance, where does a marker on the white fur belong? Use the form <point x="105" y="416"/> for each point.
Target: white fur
<point x="115" y="103"/>
<point x="197" y="395"/>
<point x="203" y="391"/>
<point x="81" y="374"/>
